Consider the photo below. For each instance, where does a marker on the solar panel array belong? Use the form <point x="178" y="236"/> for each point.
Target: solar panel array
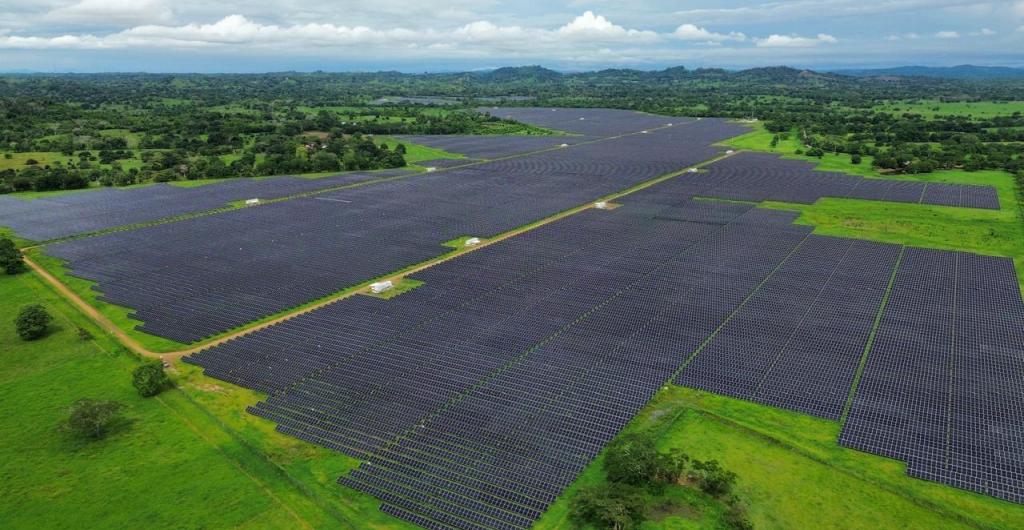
<point x="448" y="162"/>
<point x="474" y="403"/>
<point x="593" y="122"/>
<point x="58" y="216"/>
<point x="798" y="341"/>
<point x="943" y="388"/>
<point x="201" y="276"/>
<point x="490" y="147"/>
<point x="764" y="176"/>
<point x="474" y="399"/>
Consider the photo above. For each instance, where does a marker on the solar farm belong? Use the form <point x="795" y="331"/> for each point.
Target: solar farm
<point x="474" y="400"/>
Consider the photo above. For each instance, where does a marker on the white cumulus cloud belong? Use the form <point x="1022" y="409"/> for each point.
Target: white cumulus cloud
<point x="589" y="25"/>
<point x="693" y="32"/>
<point x="238" y="32"/>
<point x="947" y="34"/>
<point x="795" y="41"/>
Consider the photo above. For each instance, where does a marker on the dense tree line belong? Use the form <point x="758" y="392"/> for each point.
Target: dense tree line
<point x="119" y="129"/>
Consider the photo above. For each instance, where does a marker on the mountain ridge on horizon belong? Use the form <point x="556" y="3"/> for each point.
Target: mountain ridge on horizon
<point x="538" y="72"/>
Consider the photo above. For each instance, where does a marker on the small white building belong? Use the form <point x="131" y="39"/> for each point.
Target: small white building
<point x="380" y="287"/>
<point x="472" y="241"/>
<point x="252" y="202"/>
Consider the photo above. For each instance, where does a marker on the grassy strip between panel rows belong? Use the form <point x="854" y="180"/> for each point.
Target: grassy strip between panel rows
<point x="871" y="337"/>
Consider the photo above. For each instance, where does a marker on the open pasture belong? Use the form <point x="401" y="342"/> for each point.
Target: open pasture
<point x="933" y="108"/>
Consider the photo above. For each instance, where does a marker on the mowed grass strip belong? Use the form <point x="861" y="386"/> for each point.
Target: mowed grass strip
<point x="172" y="466"/>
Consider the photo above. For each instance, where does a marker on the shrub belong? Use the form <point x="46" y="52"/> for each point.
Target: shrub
<point x="150" y="379"/>
<point x="84" y="334"/>
<point x="32" y="322"/>
<point x="712" y="478"/>
<point x="92" y="419"/>
<point x="615" y="506"/>
<point x="10" y="257"/>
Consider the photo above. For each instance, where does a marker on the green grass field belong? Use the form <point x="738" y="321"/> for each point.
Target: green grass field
<point x="760" y="140"/>
<point x="931" y="108"/>
<point x="172" y="466"/>
<point x="17" y="160"/>
<point x="415" y="153"/>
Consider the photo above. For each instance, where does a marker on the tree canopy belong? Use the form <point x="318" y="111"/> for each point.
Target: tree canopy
<point x="92" y="419"/>
<point x="32" y="322"/>
<point x="10" y="258"/>
<point x="150" y="379"/>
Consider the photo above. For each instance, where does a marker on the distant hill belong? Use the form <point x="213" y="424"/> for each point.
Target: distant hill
<point x="964" y="71"/>
<point x="521" y="73"/>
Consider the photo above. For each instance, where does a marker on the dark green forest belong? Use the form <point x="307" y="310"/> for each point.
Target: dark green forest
<point x="71" y="131"/>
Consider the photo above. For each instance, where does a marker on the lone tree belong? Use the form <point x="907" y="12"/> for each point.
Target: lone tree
<point x="92" y="419"/>
<point x="32" y="322"/>
<point x="10" y="258"/>
<point x="631" y="459"/>
<point x="150" y="379"/>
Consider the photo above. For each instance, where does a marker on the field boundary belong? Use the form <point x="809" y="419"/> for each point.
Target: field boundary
<point x="935" y="507"/>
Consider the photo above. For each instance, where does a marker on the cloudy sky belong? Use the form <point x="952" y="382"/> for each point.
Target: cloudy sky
<point x="437" y="35"/>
